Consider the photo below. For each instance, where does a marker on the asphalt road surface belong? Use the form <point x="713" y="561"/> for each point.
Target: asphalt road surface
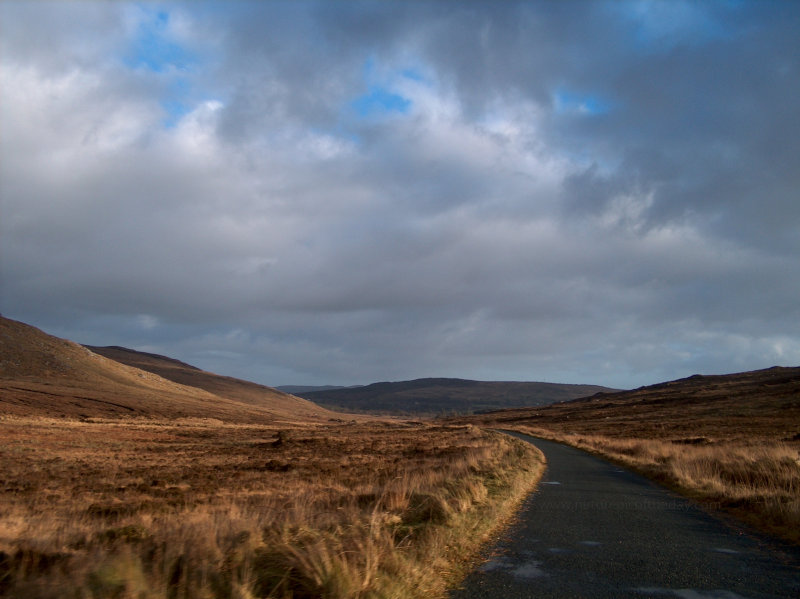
<point x="593" y="529"/>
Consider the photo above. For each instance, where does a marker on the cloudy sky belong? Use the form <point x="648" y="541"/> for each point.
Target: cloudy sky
<point x="346" y="192"/>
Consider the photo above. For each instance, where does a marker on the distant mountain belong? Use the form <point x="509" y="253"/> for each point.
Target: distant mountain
<point x="42" y="375"/>
<point x="447" y="396"/>
<point x="757" y="404"/>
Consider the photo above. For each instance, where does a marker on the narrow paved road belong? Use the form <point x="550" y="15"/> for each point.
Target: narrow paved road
<point x="595" y="530"/>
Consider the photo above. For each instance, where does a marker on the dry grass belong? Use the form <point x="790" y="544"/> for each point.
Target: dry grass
<point x="757" y="481"/>
<point x="201" y="509"/>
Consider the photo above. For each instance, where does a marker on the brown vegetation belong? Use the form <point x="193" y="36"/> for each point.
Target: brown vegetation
<point x="199" y="508"/>
<point x="143" y="477"/>
<point x="252" y="394"/>
<point x="729" y="441"/>
<point x="46" y="376"/>
<point x="759" y="405"/>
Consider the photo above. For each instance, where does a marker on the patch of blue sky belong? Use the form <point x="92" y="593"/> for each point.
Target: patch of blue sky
<point x="177" y="102"/>
<point x="380" y="101"/>
<point x="153" y="49"/>
<point x="585" y="104"/>
<point x="414" y="74"/>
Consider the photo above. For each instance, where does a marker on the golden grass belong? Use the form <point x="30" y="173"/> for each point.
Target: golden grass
<point x="201" y="509"/>
<point x="757" y="481"/>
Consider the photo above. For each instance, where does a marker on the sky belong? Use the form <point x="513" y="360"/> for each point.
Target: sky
<point x="345" y="192"/>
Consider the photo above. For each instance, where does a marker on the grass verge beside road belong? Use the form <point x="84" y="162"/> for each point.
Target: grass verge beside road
<point x="756" y="481"/>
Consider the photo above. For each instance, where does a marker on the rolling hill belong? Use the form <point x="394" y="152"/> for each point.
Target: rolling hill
<point x="47" y="376"/>
<point x="447" y="395"/>
<point x="748" y="405"/>
<point x="224" y="386"/>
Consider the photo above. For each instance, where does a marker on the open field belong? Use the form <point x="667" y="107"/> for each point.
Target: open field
<point x="730" y="441"/>
<point x="144" y="477"/>
<point x="201" y="509"/>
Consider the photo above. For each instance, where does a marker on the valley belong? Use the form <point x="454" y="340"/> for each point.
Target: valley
<point x="127" y="473"/>
<point x="152" y="478"/>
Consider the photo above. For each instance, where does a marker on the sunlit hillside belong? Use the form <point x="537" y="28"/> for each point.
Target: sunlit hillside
<point x="47" y="376"/>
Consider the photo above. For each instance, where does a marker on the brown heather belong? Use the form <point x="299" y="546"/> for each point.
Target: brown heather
<point x="144" y="509"/>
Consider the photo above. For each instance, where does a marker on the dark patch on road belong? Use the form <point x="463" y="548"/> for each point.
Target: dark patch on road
<point x="595" y="530"/>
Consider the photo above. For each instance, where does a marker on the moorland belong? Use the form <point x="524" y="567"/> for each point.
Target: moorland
<point x="127" y="474"/>
<point x="118" y="482"/>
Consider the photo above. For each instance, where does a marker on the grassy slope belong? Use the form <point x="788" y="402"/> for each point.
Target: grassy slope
<point x="228" y="387"/>
<point x="759" y="405"/>
<point x="44" y="375"/>
<point x="730" y="441"/>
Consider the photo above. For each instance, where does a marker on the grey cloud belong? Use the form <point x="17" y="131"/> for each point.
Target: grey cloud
<point x="709" y="127"/>
<point x="489" y="232"/>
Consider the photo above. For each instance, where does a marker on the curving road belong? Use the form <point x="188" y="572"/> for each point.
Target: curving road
<point x="593" y="529"/>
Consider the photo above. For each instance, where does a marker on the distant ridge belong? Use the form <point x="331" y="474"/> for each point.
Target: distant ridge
<point x="156" y="358"/>
<point x="434" y="396"/>
<point x="43" y="375"/>
<point x="756" y="404"/>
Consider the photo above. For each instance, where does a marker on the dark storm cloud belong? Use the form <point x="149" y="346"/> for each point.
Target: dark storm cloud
<point x="344" y="192"/>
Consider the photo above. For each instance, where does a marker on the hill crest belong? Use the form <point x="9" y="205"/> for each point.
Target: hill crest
<point x="43" y="375"/>
<point x="239" y="390"/>
<point x="756" y="404"/>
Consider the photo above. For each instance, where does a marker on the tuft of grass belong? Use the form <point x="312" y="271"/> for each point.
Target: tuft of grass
<point x="203" y="509"/>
